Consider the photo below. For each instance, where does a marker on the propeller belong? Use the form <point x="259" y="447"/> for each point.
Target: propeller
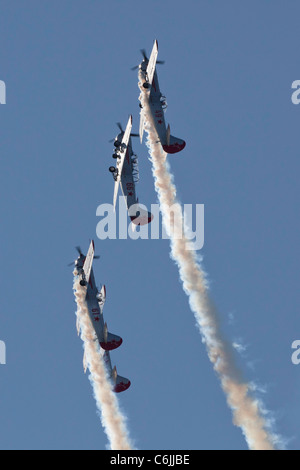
<point x="144" y="54"/>
<point x="122" y="130"/>
<point x="79" y="250"/>
<point x="81" y="254"/>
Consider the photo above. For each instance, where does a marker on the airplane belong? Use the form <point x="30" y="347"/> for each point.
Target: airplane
<point x="95" y="301"/>
<point x="126" y="175"/>
<point x="157" y="103"/>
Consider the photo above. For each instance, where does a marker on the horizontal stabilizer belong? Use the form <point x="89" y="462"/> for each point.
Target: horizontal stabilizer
<point x="174" y="145"/>
<point x="121" y="384"/>
<point x="111" y="341"/>
<point x="139" y="216"/>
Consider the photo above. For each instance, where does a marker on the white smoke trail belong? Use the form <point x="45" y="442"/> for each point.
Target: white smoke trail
<point x="248" y="412"/>
<point x="113" y="421"/>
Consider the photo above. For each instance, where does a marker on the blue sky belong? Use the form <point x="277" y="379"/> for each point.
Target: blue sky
<point x="228" y="75"/>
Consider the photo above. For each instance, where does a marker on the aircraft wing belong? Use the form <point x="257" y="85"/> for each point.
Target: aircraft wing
<point x="87" y="267"/>
<point x="142" y="125"/>
<point x="120" y="162"/>
<point x="152" y="62"/>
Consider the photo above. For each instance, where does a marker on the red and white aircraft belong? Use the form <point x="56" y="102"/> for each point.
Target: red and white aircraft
<point x="126" y="175"/>
<point x="157" y="103"/>
<point x="95" y="300"/>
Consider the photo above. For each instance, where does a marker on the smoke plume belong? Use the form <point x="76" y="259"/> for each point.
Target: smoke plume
<point x="247" y="411"/>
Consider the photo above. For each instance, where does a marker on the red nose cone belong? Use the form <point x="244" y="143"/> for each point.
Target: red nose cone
<point x="174" y="148"/>
<point x="111" y="345"/>
<point x="122" y="386"/>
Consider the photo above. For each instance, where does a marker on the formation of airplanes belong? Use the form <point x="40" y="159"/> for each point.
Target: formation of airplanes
<point x="126" y="175"/>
